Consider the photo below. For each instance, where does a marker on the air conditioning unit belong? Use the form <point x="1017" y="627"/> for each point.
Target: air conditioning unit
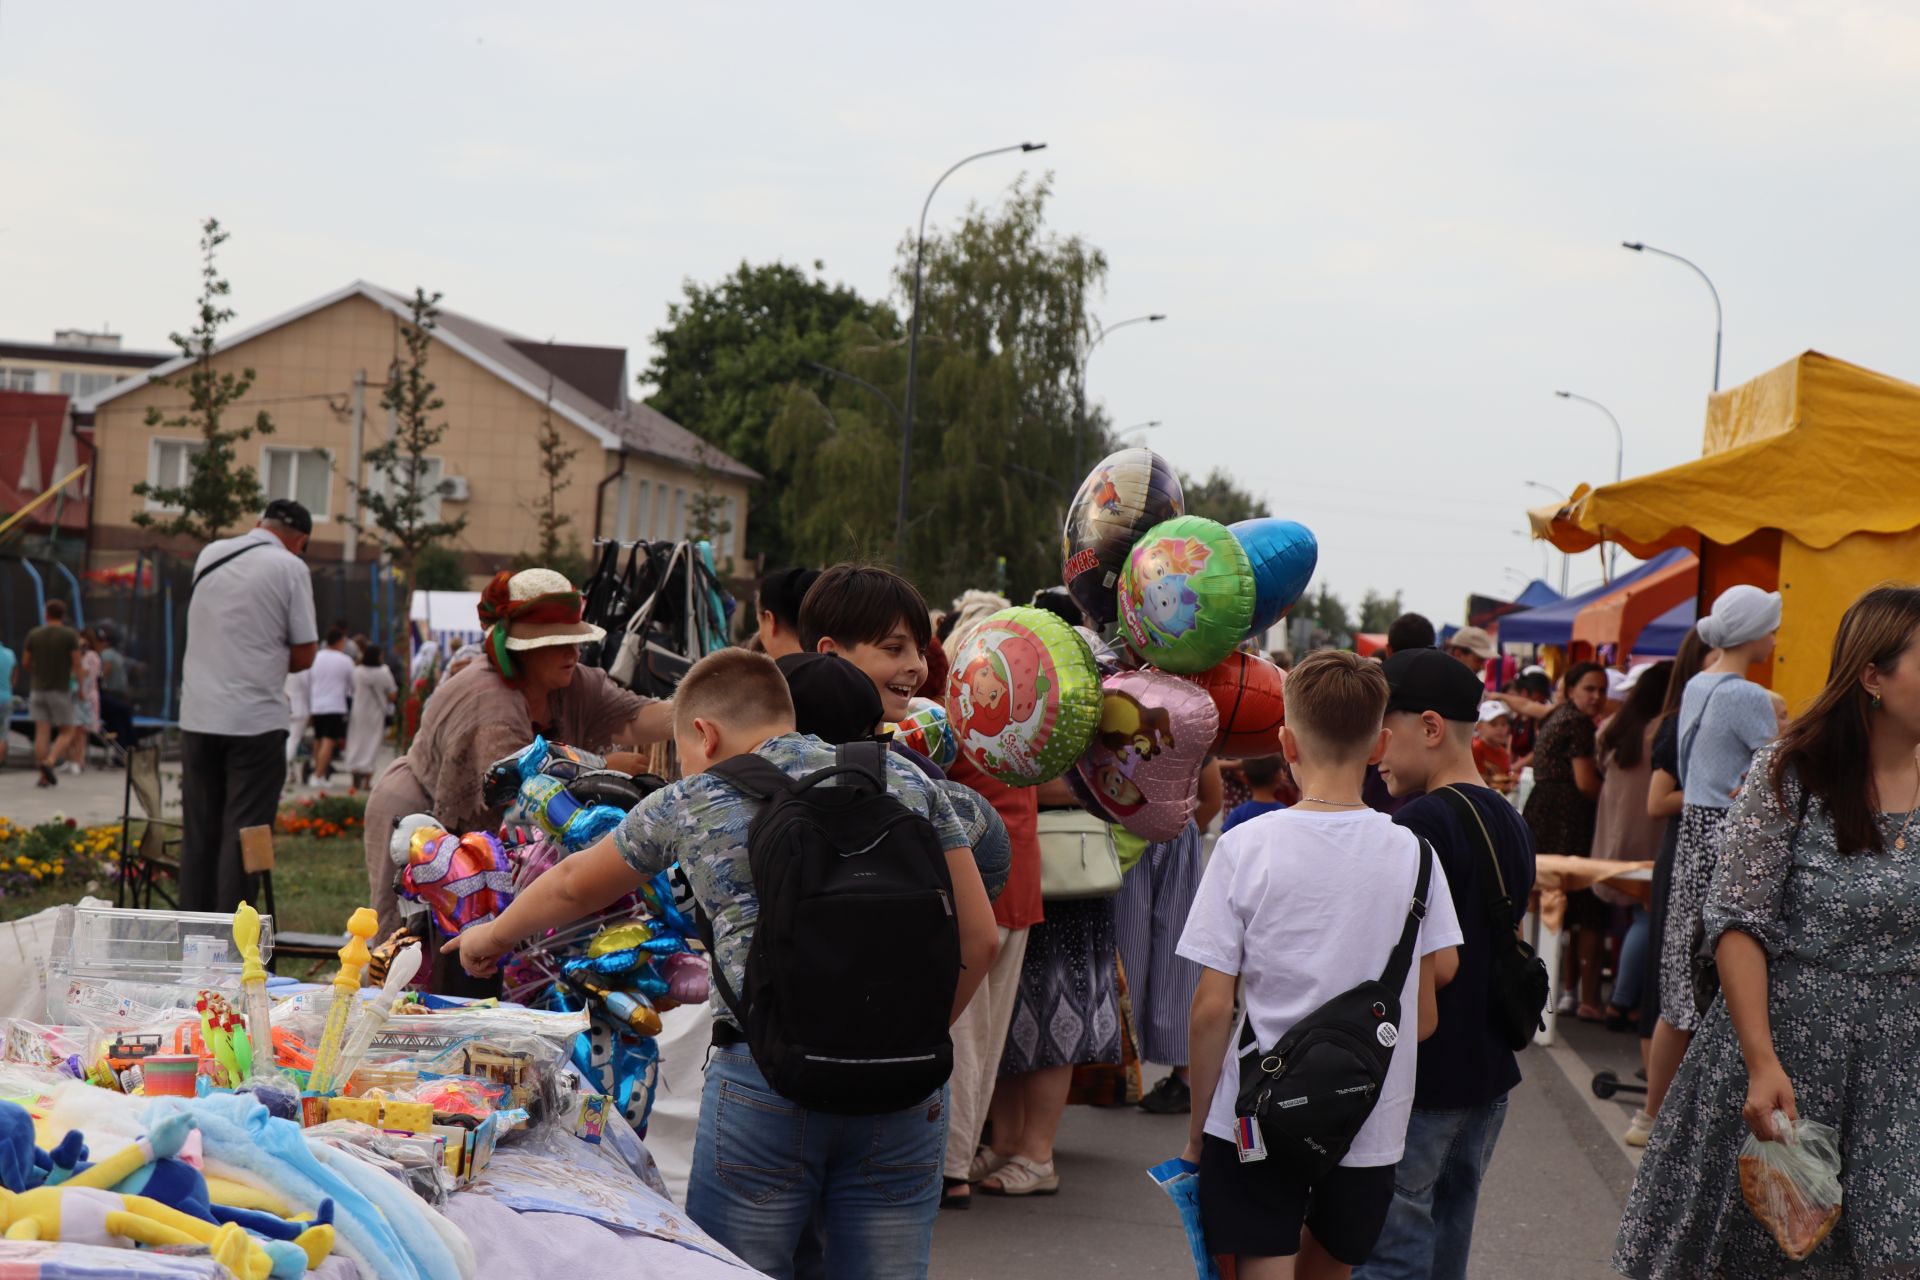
<point x="455" y="489"/>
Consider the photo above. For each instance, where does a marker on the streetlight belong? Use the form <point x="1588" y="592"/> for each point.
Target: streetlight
<point x="1639" y="247"/>
<point x="1080" y="409"/>
<point x="1143" y="427"/>
<point x="913" y="346"/>
<point x="1564" y="557"/>
<point x="1619" y="462"/>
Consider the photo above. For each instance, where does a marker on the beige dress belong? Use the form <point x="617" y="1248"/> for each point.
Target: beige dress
<point x="472" y="720"/>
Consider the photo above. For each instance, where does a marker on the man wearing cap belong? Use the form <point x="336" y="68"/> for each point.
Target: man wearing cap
<point x="1475" y="648"/>
<point x="1465" y="1068"/>
<point x="249" y="622"/>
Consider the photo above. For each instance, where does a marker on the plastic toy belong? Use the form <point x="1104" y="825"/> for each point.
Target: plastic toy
<point x="1126" y="494"/>
<point x="1250" y="694"/>
<point x="1023" y="696"/>
<point x="927" y="730"/>
<point x="1186" y="595"/>
<point x="1282" y="555"/>
<point x="255" y="1046"/>
<point x="461" y="879"/>
<point x="218" y="1026"/>
<point x="170" y="1076"/>
<point x="374" y="1016"/>
<point x="1143" y="767"/>
<point x="353" y="960"/>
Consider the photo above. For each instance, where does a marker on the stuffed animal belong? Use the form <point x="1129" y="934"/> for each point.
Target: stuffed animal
<point x="85" y="1215"/>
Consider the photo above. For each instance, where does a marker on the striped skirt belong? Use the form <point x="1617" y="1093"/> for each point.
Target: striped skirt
<point x="1149" y="915"/>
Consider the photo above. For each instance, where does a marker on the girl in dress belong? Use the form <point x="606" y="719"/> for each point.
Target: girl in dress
<point x="373" y="690"/>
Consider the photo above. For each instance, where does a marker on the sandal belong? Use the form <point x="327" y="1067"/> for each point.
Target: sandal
<point x="956" y="1193"/>
<point x="1590" y="1013"/>
<point x="1022" y="1177"/>
<point x="985" y="1164"/>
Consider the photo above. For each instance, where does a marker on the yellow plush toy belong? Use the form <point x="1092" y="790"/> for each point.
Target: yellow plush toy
<point x="86" y="1215"/>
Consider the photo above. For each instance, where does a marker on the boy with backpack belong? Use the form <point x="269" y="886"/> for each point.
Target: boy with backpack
<point x="1337" y="928"/>
<point x="848" y="928"/>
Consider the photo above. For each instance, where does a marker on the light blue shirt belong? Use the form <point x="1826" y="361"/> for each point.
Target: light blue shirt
<point x="1727" y="718"/>
<point x="7" y="661"/>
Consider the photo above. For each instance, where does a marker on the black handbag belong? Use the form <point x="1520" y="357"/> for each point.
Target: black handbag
<point x="1517" y="979"/>
<point x="1311" y="1093"/>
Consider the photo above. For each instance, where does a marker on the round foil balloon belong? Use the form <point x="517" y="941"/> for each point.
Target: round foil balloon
<point x="1248" y="692"/>
<point x="1127" y="494"/>
<point x="1186" y="595"/>
<point x="1283" y="554"/>
<point x="1144" y="764"/>
<point x="927" y="731"/>
<point x="1023" y="696"/>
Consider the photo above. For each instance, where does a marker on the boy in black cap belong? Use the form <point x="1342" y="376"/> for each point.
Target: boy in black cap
<point x="1466" y="1069"/>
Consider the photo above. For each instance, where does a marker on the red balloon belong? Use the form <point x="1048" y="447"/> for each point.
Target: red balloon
<point x="1248" y="692"/>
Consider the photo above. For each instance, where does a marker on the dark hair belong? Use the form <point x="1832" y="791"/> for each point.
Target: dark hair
<point x="1625" y="736"/>
<point x="1827" y="746"/>
<point x="1410" y="631"/>
<point x="1056" y="601"/>
<point x="1577" y="672"/>
<point x="1262" y="771"/>
<point x="1535" y="683"/>
<point x="781" y="592"/>
<point x="56" y="610"/>
<point x="853" y="604"/>
<point x="370" y="656"/>
<point x="335" y="634"/>
<point x="1687" y="664"/>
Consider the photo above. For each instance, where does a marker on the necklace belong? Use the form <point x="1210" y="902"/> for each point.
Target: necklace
<point x="1900" y="841"/>
<point x="1351" y="804"/>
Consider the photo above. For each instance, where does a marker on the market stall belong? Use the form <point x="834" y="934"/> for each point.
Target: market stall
<point x="1809" y="484"/>
<point x="1555" y="624"/>
<point x="1617" y="620"/>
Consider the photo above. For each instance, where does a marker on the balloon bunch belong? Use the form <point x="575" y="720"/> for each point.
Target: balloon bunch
<point x="462" y="879"/>
<point x="567" y="793"/>
<point x="1130" y="725"/>
<point x="927" y="730"/>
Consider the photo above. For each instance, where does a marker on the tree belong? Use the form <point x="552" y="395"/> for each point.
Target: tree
<point x="438" y="569"/>
<point x="219" y="492"/>
<point x="1377" y="612"/>
<point x="549" y="520"/>
<point x="707" y="512"/>
<point x="1328" y="612"/>
<point x="1218" y="498"/>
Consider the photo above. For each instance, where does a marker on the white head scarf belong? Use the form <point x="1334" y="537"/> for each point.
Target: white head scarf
<point x="1741" y="615"/>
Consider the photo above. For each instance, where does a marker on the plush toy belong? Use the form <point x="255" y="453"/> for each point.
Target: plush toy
<point x="84" y="1215"/>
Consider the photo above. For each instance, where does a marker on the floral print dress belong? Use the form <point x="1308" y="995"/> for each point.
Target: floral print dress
<point x="1842" y="936"/>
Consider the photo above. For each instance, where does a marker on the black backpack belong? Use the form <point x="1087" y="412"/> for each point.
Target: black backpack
<point x="856" y="955"/>
<point x="1311" y="1093"/>
<point x="1517" y="983"/>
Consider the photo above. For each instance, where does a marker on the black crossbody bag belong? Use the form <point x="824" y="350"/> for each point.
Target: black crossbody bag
<point x="1311" y="1093"/>
<point x="1517" y="983"/>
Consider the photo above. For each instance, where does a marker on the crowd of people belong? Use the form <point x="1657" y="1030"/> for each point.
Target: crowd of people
<point x="76" y="682"/>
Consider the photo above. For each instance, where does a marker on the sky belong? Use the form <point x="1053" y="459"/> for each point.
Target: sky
<point x="1383" y="233"/>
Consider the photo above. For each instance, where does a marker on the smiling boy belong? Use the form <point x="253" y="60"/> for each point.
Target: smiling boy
<point x="878" y="621"/>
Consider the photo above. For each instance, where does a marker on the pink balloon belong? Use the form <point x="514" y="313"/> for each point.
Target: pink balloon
<point x="1144" y="765"/>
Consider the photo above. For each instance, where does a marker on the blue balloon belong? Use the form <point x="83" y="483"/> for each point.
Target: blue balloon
<point x="1283" y="554"/>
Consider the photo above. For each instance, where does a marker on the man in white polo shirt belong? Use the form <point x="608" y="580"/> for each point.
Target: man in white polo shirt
<point x="249" y="623"/>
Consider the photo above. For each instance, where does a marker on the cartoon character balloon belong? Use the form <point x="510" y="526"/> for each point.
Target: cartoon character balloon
<point x="1124" y="496"/>
<point x="1248" y="692"/>
<point x="1144" y="764"/>
<point x="461" y="879"/>
<point x="927" y="730"/>
<point x="1186" y="595"/>
<point x="1282" y="554"/>
<point x="1023" y="696"/>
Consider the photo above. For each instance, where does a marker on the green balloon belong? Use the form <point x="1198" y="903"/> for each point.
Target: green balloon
<point x="1186" y="595"/>
<point x="1023" y="696"/>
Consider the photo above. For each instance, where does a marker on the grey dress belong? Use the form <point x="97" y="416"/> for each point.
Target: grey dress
<point x="1842" y="935"/>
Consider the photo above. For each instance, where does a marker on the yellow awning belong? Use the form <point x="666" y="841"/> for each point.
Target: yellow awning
<point x="1817" y="448"/>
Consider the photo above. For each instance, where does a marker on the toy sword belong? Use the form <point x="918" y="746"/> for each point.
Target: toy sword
<point x="353" y="962"/>
<point x="255" y="1048"/>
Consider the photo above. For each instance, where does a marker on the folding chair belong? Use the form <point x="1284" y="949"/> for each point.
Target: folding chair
<point x="256" y="856"/>
<point x="158" y="853"/>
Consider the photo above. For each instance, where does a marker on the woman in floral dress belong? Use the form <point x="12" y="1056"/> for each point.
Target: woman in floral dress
<point x="1815" y="912"/>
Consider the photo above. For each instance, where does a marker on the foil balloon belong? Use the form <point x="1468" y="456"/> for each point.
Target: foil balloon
<point x="1248" y="692"/>
<point x="462" y="880"/>
<point x="1282" y="554"/>
<point x="1144" y="764"/>
<point x="927" y="730"/>
<point x="1127" y="494"/>
<point x="1186" y="595"/>
<point x="1023" y="696"/>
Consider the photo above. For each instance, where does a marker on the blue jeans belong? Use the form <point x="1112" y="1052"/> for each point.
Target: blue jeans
<point x="764" y="1168"/>
<point x="1634" y="950"/>
<point x="1436" y="1189"/>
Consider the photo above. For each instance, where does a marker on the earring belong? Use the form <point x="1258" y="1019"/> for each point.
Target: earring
<point x="1874" y="702"/>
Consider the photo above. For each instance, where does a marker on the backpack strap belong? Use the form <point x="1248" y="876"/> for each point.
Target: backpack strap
<point x="755" y="776"/>
<point x="1498" y="901"/>
<point x="866" y="760"/>
<point x="1401" y="960"/>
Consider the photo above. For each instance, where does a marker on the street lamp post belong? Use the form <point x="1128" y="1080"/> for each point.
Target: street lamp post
<point x="1619" y="459"/>
<point x="1639" y="247"/>
<point x="1080" y="398"/>
<point x="1142" y="427"/>
<point x="913" y="346"/>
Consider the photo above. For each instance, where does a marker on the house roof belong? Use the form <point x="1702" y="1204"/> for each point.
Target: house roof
<point x="617" y="424"/>
<point x="35" y="451"/>
<point x="54" y="353"/>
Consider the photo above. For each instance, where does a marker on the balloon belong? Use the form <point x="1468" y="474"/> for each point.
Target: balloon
<point x="1186" y="595"/>
<point x="1283" y="555"/>
<point x="927" y="730"/>
<point x="1247" y="691"/>
<point x="1124" y="496"/>
<point x="1023" y="696"/>
<point x="1144" y="764"/>
<point x="461" y="879"/>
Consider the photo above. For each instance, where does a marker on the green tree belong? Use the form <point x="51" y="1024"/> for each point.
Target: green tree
<point x="555" y="458"/>
<point x="219" y="492"/>
<point x="438" y="568"/>
<point x="1218" y="498"/>
<point x="1377" y="611"/>
<point x="1328" y="612"/>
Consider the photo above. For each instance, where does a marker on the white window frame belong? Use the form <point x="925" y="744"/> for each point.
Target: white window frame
<point x="266" y="473"/>
<point x="730" y="513"/>
<point x="430" y="507"/>
<point x="155" y="448"/>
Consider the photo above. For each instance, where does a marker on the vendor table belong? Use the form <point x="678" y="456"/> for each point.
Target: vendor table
<point x="1554" y="877"/>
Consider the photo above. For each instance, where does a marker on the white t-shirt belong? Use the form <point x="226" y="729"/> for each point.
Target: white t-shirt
<point x="332" y="682"/>
<point x="242" y="619"/>
<point x="1302" y="906"/>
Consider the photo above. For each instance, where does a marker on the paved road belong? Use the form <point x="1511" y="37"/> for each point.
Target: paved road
<point x="1549" y="1207"/>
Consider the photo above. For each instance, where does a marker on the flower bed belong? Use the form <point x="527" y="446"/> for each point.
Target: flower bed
<point x="57" y="852"/>
<point x="324" y="816"/>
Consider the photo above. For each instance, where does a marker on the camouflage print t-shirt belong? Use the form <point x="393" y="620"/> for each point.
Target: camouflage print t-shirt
<point x="702" y="821"/>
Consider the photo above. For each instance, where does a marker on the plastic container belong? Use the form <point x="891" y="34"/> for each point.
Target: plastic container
<point x="170" y="1076"/>
<point x="157" y="957"/>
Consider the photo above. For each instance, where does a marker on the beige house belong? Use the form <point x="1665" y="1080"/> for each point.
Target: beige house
<point x="319" y="370"/>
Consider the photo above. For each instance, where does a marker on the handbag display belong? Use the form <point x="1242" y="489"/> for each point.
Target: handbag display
<point x="1077" y="856"/>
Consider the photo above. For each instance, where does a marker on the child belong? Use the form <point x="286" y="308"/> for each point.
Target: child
<point x="875" y="619"/>
<point x="868" y="1178"/>
<point x="1782" y="716"/>
<point x="1263" y="779"/>
<point x="1296" y="909"/>
<point x="1492" y="742"/>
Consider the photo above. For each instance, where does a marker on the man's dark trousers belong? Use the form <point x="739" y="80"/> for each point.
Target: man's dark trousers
<point x="229" y="783"/>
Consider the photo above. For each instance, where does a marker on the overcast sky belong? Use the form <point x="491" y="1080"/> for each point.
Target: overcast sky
<point x="1384" y="233"/>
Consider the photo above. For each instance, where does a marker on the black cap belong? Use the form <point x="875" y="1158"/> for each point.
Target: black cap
<point x="782" y="591"/>
<point x="1429" y="680"/>
<point x="291" y="514"/>
<point x="832" y="699"/>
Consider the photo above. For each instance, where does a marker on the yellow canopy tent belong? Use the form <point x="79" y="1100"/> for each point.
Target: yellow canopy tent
<point x="1809" y="484"/>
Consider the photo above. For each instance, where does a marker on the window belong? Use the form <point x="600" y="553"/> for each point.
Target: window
<point x="678" y="529"/>
<point x="17" y="379"/>
<point x="639" y="529"/>
<point x="432" y="471"/>
<point x="661" y="530"/>
<point x="168" y="467"/>
<point x="81" y="385"/>
<point x="305" y="475"/>
<point x="730" y="540"/>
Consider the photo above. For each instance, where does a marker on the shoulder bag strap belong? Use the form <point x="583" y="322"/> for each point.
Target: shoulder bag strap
<point x="1499" y="902"/>
<point x="224" y="560"/>
<point x="1402" y="958"/>
<point x="1686" y="739"/>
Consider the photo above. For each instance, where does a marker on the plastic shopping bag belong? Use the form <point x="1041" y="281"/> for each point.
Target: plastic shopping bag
<point x="1181" y="1180"/>
<point x="1793" y="1186"/>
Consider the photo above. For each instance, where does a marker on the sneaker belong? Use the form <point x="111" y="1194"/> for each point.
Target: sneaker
<point x="1567" y="1004"/>
<point x="47" y="778"/>
<point x="1171" y="1097"/>
<point x="71" y="769"/>
<point x="1640" y="1130"/>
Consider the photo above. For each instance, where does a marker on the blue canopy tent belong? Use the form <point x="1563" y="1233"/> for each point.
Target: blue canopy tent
<point x="1553" y="623"/>
<point x="1538" y="595"/>
<point x="1661" y="638"/>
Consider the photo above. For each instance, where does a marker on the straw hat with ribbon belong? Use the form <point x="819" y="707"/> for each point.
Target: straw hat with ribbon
<point x="532" y="609"/>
